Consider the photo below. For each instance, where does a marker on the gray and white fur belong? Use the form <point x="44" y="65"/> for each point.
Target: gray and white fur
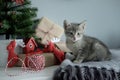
<point x="84" y="48"/>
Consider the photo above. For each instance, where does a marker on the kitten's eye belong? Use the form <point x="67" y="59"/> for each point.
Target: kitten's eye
<point x="78" y="34"/>
<point x="70" y="33"/>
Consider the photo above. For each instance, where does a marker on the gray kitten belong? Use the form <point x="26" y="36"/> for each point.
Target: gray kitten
<point x="84" y="48"/>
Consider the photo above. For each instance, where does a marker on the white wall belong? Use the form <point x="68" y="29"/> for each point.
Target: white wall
<point x="103" y="16"/>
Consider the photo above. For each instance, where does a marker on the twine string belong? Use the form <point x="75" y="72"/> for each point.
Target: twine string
<point x="48" y="33"/>
<point x="34" y="63"/>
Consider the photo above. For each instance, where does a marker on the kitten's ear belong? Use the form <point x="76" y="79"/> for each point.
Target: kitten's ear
<point x="82" y="25"/>
<point x="66" y="24"/>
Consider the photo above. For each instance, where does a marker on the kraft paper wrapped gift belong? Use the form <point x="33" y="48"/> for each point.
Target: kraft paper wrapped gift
<point x="62" y="46"/>
<point x="47" y="29"/>
<point x="50" y="59"/>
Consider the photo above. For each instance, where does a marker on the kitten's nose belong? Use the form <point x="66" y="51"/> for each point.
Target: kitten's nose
<point x="74" y="38"/>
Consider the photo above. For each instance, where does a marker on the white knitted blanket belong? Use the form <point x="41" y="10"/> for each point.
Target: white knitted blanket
<point x="114" y="63"/>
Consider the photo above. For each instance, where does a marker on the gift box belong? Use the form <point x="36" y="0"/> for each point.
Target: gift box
<point x="47" y="29"/>
<point x="62" y="46"/>
<point x="50" y="59"/>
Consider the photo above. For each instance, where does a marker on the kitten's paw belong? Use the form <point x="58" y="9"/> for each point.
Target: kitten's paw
<point x="69" y="56"/>
<point x="76" y="62"/>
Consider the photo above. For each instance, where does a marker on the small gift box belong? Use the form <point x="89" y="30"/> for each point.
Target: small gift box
<point x="46" y="30"/>
<point x="62" y="46"/>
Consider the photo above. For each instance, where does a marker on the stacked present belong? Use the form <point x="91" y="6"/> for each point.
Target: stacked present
<point x="62" y="46"/>
<point x="47" y="30"/>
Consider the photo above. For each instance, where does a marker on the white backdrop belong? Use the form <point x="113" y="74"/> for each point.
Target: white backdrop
<point x="103" y="16"/>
